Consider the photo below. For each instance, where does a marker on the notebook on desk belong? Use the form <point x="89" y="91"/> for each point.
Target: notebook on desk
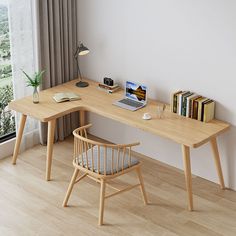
<point x="135" y="97"/>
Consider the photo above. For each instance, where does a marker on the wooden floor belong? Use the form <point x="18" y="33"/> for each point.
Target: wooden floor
<point x="31" y="206"/>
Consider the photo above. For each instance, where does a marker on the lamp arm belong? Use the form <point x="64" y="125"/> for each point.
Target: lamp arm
<point x="78" y="69"/>
<point x="76" y="53"/>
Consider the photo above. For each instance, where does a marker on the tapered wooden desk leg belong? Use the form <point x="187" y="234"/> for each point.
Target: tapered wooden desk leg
<point x="217" y="162"/>
<point x="18" y="138"/>
<point x="188" y="175"/>
<point x="82" y="117"/>
<point x="51" y="129"/>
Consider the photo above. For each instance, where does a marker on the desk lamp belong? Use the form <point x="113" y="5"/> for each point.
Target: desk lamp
<point x="80" y="51"/>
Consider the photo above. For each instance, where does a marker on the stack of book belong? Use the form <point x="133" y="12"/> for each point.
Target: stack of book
<point x="192" y="105"/>
<point x="109" y="89"/>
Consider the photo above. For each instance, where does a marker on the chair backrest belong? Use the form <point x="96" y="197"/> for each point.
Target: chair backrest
<point x="93" y="155"/>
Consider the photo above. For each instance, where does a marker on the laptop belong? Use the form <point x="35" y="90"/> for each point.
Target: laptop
<point x="135" y="97"/>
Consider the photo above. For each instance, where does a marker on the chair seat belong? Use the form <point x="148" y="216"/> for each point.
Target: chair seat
<point x="117" y="164"/>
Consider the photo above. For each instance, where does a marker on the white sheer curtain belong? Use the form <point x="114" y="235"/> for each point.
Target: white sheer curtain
<point x="24" y="56"/>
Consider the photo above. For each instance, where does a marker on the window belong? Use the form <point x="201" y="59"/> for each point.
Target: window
<point x="7" y="119"/>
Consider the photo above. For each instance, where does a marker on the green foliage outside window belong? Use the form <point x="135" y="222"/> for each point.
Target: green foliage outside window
<point x="5" y="71"/>
<point x="7" y="120"/>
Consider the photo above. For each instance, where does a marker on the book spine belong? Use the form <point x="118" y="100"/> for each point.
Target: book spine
<point x="109" y="90"/>
<point x="191" y="108"/>
<point x="206" y="112"/>
<point x="203" y="111"/>
<point x="192" y="114"/>
<point x="203" y="107"/>
<point x="184" y="105"/>
<point x="209" y="111"/>
<point x="175" y="103"/>
<point x="113" y="90"/>
<point x="180" y="104"/>
<point x="175" y="98"/>
<point x="104" y="86"/>
<point x="195" y="109"/>
<point x="199" y="110"/>
<point x="212" y="112"/>
<point x="188" y="107"/>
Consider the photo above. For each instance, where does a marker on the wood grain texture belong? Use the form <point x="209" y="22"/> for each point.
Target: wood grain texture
<point x="69" y="190"/>
<point x="50" y="140"/>
<point x="82" y="146"/>
<point x="32" y="206"/>
<point x="188" y="175"/>
<point x="189" y="132"/>
<point x="102" y="201"/>
<point x="142" y="187"/>
<point x="82" y="117"/>
<point x="18" y="138"/>
<point x="217" y="162"/>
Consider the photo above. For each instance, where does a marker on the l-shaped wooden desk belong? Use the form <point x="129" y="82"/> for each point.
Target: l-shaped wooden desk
<point x="187" y="132"/>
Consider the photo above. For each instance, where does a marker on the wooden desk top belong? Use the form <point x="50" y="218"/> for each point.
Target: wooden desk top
<point x="189" y="132"/>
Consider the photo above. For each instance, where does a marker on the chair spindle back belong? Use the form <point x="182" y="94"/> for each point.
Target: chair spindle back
<point x="102" y="155"/>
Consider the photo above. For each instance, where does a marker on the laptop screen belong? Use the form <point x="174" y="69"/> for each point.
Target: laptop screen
<point x="135" y="91"/>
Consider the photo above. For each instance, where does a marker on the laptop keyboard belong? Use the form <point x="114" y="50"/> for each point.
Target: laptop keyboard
<point x="131" y="102"/>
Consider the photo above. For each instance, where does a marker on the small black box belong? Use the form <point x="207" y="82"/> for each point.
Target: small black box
<point x="108" y="81"/>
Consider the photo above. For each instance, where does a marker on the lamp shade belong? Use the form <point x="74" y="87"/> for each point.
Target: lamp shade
<point x="83" y="50"/>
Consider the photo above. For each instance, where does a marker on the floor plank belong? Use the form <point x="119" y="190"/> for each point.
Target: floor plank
<point x="32" y="206"/>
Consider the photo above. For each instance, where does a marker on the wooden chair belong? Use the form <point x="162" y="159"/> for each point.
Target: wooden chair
<point x="102" y="162"/>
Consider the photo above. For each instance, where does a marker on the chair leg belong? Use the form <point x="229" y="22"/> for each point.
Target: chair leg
<point x="102" y="200"/>
<point x="71" y="185"/>
<point x="138" y="170"/>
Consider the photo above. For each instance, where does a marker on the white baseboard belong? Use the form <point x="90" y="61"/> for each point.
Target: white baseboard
<point x="30" y="139"/>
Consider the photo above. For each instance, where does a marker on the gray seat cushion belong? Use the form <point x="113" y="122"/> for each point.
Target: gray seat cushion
<point x="133" y="161"/>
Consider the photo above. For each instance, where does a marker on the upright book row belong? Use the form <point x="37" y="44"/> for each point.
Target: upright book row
<point x="192" y="105"/>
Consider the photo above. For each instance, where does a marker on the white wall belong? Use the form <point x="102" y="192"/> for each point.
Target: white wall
<point x="168" y="45"/>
